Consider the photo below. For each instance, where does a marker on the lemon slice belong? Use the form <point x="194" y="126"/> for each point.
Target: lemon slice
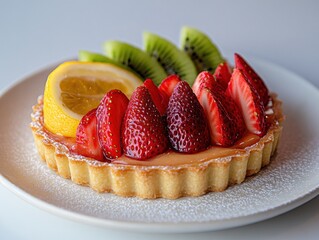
<point x="74" y="88"/>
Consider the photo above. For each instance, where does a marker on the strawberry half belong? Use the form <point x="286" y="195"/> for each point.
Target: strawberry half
<point x="224" y="117"/>
<point x="87" y="143"/>
<point x="187" y="127"/>
<point x="143" y="130"/>
<point x="249" y="102"/>
<point x="109" y="115"/>
<point x="159" y="99"/>
<point x="203" y="79"/>
<point x="252" y="78"/>
<point x="206" y="80"/>
<point x="222" y="74"/>
<point x="168" y="84"/>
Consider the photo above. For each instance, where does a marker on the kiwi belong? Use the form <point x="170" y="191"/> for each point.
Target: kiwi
<point x="172" y="59"/>
<point x="201" y="49"/>
<point x="86" y="56"/>
<point x="136" y="59"/>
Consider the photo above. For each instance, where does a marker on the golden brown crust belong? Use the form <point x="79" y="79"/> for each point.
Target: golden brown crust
<point x="158" y="181"/>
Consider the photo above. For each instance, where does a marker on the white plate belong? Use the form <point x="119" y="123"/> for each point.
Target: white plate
<point x="290" y="180"/>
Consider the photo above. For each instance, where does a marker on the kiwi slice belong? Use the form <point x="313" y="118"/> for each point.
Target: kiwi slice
<point x="201" y="49"/>
<point x="86" y="56"/>
<point x="136" y="59"/>
<point x="172" y="59"/>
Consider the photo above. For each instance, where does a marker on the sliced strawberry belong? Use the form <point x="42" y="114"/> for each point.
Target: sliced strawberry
<point x="143" y="130"/>
<point x="187" y="127"/>
<point x="158" y="98"/>
<point x="235" y="114"/>
<point x="206" y="80"/>
<point x="87" y="143"/>
<point x="222" y="74"/>
<point x="109" y="115"/>
<point x="168" y="84"/>
<point x="252" y="78"/>
<point x="221" y="131"/>
<point x="249" y="102"/>
<point x="224" y="117"/>
<point x="203" y="79"/>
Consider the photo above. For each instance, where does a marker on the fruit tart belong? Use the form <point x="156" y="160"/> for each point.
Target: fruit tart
<point x="164" y="122"/>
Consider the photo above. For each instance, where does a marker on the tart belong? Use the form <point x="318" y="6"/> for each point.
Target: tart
<point x="173" y="140"/>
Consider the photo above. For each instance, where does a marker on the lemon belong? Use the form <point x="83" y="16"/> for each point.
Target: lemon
<point x="74" y="88"/>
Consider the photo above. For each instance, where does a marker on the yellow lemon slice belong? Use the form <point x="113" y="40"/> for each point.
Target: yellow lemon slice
<point x="74" y="88"/>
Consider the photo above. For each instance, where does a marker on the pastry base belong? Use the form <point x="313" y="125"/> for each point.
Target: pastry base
<point x="170" y="182"/>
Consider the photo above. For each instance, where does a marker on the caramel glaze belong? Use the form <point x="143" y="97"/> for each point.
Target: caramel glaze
<point x="172" y="158"/>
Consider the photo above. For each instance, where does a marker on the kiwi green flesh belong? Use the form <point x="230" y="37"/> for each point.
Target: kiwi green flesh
<point x="136" y="59"/>
<point x="172" y="59"/>
<point x="200" y="49"/>
<point x="87" y="56"/>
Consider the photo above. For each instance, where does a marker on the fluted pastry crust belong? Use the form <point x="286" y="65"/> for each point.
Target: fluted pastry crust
<point x="157" y="181"/>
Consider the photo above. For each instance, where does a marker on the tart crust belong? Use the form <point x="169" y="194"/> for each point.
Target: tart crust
<point x="194" y="179"/>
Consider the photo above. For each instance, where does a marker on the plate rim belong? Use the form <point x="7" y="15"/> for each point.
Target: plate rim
<point x="167" y="227"/>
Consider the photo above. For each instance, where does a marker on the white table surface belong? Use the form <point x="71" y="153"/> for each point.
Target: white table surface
<point x="34" y="34"/>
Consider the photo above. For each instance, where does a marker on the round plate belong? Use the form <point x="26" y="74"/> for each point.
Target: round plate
<point x="290" y="180"/>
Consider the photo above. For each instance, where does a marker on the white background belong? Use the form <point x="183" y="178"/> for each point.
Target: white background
<point x="34" y="34"/>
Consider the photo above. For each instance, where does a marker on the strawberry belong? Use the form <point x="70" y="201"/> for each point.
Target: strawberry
<point x="206" y="80"/>
<point x="235" y="114"/>
<point x="187" y="127"/>
<point x="109" y="118"/>
<point x="222" y="74"/>
<point x="203" y="79"/>
<point x="249" y="102"/>
<point x="168" y="84"/>
<point x="87" y="143"/>
<point x="218" y="90"/>
<point x="224" y="117"/>
<point x="143" y="130"/>
<point x="159" y="99"/>
<point x="252" y="78"/>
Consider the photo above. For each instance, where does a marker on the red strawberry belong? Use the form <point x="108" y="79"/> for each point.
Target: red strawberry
<point x="203" y="79"/>
<point x="87" y="143"/>
<point x="168" y="84"/>
<point x="224" y="117"/>
<point x="109" y="115"/>
<point x="223" y="74"/>
<point x="206" y="80"/>
<point x="159" y="100"/>
<point x="252" y="78"/>
<point x="143" y="131"/>
<point x="235" y="114"/>
<point x="187" y="127"/>
<point x="246" y="97"/>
